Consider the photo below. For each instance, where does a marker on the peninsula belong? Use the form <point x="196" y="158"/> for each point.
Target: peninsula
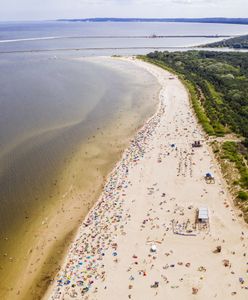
<point x="238" y="42"/>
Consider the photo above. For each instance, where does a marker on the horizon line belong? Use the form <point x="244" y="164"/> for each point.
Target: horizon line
<point x="133" y="19"/>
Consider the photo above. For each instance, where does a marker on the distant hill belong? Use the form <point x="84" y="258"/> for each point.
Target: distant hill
<point x="240" y="42"/>
<point x="243" y="21"/>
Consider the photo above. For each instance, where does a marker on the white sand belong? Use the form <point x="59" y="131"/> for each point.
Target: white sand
<point x="152" y="185"/>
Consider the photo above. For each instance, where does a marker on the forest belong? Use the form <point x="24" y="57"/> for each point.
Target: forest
<point x="222" y="81"/>
<point x="240" y="42"/>
<point x="218" y="85"/>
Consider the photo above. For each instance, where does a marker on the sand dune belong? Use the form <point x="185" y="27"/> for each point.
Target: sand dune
<point x="141" y="241"/>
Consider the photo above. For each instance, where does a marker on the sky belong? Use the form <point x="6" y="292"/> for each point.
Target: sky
<point x="54" y="9"/>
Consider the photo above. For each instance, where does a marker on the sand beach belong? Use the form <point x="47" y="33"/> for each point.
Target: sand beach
<point x="143" y="239"/>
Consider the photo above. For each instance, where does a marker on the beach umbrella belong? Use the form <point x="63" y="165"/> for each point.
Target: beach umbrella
<point x="67" y="282"/>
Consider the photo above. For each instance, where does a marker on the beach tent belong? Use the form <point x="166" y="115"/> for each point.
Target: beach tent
<point x="203" y="216"/>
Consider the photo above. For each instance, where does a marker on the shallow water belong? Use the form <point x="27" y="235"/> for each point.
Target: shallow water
<point x="64" y="123"/>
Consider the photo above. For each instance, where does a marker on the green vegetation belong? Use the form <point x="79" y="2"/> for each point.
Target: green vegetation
<point x="243" y="195"/>
<point x="218" y="87"/>
<point x="232" y="152"/>
<point x="221" y="82"/>
<point x="193" y="92"/>
<point x="240" y="42"/>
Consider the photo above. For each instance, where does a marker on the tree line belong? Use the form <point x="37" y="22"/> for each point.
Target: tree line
<point x="218" y="86"/>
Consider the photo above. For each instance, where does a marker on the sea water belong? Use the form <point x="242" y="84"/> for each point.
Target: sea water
<point x="109" y="38"/>
<point x="63" y="124"/>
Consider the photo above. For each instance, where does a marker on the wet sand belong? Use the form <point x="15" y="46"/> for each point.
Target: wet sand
<point x="142" y="239"/>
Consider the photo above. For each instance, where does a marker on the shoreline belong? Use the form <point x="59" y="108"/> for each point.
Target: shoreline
<point x="106" y="180"/>
<point x="84" y="174"/>
<point x="121" y="238"/>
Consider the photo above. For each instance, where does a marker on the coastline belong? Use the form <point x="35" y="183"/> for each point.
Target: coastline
<point x="111" y="172"/>
<point x="187" y="178"/>
<point x="79" y="185"/>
